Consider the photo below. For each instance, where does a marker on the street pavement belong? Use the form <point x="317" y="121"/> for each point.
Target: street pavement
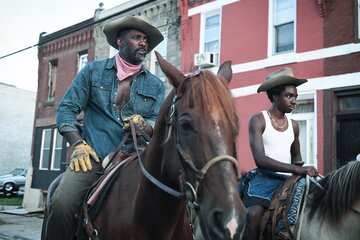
<point x="20" y="225"/>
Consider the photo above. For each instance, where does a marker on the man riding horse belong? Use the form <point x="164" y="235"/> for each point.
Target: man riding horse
<point x="110" y="93"/>
<point x="274" y="142"/>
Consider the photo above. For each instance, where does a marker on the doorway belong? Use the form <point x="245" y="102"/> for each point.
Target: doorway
<point x="347" y="127"/>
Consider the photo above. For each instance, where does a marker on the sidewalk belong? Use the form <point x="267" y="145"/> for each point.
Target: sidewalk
<point x="20" y="224"/>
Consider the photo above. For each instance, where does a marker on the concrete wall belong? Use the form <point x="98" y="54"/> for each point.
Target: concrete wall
<point x="17" y="108"/>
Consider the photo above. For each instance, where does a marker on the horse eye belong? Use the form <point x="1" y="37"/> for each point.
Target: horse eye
<point x="186" y="126"/>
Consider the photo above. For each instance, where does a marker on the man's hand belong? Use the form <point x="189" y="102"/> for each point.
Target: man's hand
<point x="80" y="157"/>
<point x="308" y="170"/>
<point x="138" y="120"/>
<point x="311" y="171"/>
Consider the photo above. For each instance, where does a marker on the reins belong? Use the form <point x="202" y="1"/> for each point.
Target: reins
<point x="151" y="178"/>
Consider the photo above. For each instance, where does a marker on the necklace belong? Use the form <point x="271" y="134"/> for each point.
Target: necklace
<point x="274" y="121"/>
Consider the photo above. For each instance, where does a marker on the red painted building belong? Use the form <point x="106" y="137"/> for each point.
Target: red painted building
<point x="319" y="40"/>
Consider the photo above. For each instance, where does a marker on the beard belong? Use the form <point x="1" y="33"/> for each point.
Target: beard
<point x="133" y="56"/>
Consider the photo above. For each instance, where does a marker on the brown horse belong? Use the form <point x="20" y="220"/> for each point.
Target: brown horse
<point x="190" y="161"/>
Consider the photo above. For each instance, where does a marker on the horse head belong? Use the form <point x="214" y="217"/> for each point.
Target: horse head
<point x="199" y="124"/>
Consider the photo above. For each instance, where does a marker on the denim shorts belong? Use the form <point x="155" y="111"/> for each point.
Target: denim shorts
<point x="259" y="186"/>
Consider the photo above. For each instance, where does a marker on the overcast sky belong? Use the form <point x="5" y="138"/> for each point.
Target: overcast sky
<point x="21" y="22"/>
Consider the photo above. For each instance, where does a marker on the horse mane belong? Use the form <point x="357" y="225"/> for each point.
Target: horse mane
<point x="217" y="100"/>
<point x="340" y="192"/>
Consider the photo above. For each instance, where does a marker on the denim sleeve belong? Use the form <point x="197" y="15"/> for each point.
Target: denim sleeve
<point x="73" y="102"/>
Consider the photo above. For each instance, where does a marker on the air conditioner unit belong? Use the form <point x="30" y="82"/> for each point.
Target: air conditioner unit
<point x="206" y="59"/>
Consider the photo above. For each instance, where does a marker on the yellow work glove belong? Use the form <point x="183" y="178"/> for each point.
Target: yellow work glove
<point x="138" y="120"/>
<point x="80" y="157"/>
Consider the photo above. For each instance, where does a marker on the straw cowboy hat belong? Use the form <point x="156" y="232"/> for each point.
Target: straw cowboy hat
<point x="112" y="29"/>
<point x="282" y="76"/>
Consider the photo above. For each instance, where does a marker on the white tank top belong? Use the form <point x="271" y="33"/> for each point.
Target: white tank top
<point x="277" y="144"/>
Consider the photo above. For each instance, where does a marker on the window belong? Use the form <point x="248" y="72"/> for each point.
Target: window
<point x="56" y="151"/>
<point x="212" y="33"/>
<point x="51" y="149"/>
<point x="210" y="29"/>
<point x="347" y="126"/>
<point x="304" y="114"/>
<point x="349" y="102"/>
<point x="82" y="59"/>
<point x="283" y="25"/>
<point x="52" y="76"/>
<point x="162" y="49"/>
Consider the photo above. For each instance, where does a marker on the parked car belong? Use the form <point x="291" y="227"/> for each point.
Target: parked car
<point x="11" y="182"/>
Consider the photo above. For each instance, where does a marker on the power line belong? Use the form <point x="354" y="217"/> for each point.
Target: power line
<point x="18" y="51"/>
<point x="73" y="28"/>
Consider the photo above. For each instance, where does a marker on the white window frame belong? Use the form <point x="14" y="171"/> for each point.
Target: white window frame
<point x="42" y="148"/>
<point x="203" y="18"/>
<point x="311" y="128"/>
<point x="272" y="35"/>
<point x="153" y="59"/>
<point x="54" y="139"/>
<point x="82" y="60"/>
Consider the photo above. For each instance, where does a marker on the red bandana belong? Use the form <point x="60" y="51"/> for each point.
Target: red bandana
<point x="125" y="69"/>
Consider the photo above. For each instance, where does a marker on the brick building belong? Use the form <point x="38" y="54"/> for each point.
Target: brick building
<point x="61" y="55"/>
<point x="319" y="40"/>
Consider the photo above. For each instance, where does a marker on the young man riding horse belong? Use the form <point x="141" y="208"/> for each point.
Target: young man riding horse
<point x="274" y="142"/>
<point x="110" y="92"/>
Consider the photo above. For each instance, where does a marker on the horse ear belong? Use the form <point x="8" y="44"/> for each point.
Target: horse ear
<point x="225" y="71"/>
<point x="172" y="73"/>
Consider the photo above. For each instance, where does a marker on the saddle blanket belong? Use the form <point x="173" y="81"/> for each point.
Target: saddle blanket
<point x="294" y="209"/>
<point x="105" y="179"/>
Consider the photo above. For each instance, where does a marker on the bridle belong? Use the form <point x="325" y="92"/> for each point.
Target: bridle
<point x="189" y="191"/>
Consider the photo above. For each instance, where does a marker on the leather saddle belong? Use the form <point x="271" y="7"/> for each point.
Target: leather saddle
<point x="97" y="193"/>
<point x="278" y="210"/>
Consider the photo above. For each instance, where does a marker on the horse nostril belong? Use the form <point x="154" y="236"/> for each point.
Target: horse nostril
<point x="216" y="224"/>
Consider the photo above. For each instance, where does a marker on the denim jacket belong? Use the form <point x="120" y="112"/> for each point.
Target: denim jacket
<point x="93" y="91"/>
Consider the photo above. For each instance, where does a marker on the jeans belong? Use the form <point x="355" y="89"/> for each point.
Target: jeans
<point x="259" y="186"/>
<point x="67" y="200"/>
